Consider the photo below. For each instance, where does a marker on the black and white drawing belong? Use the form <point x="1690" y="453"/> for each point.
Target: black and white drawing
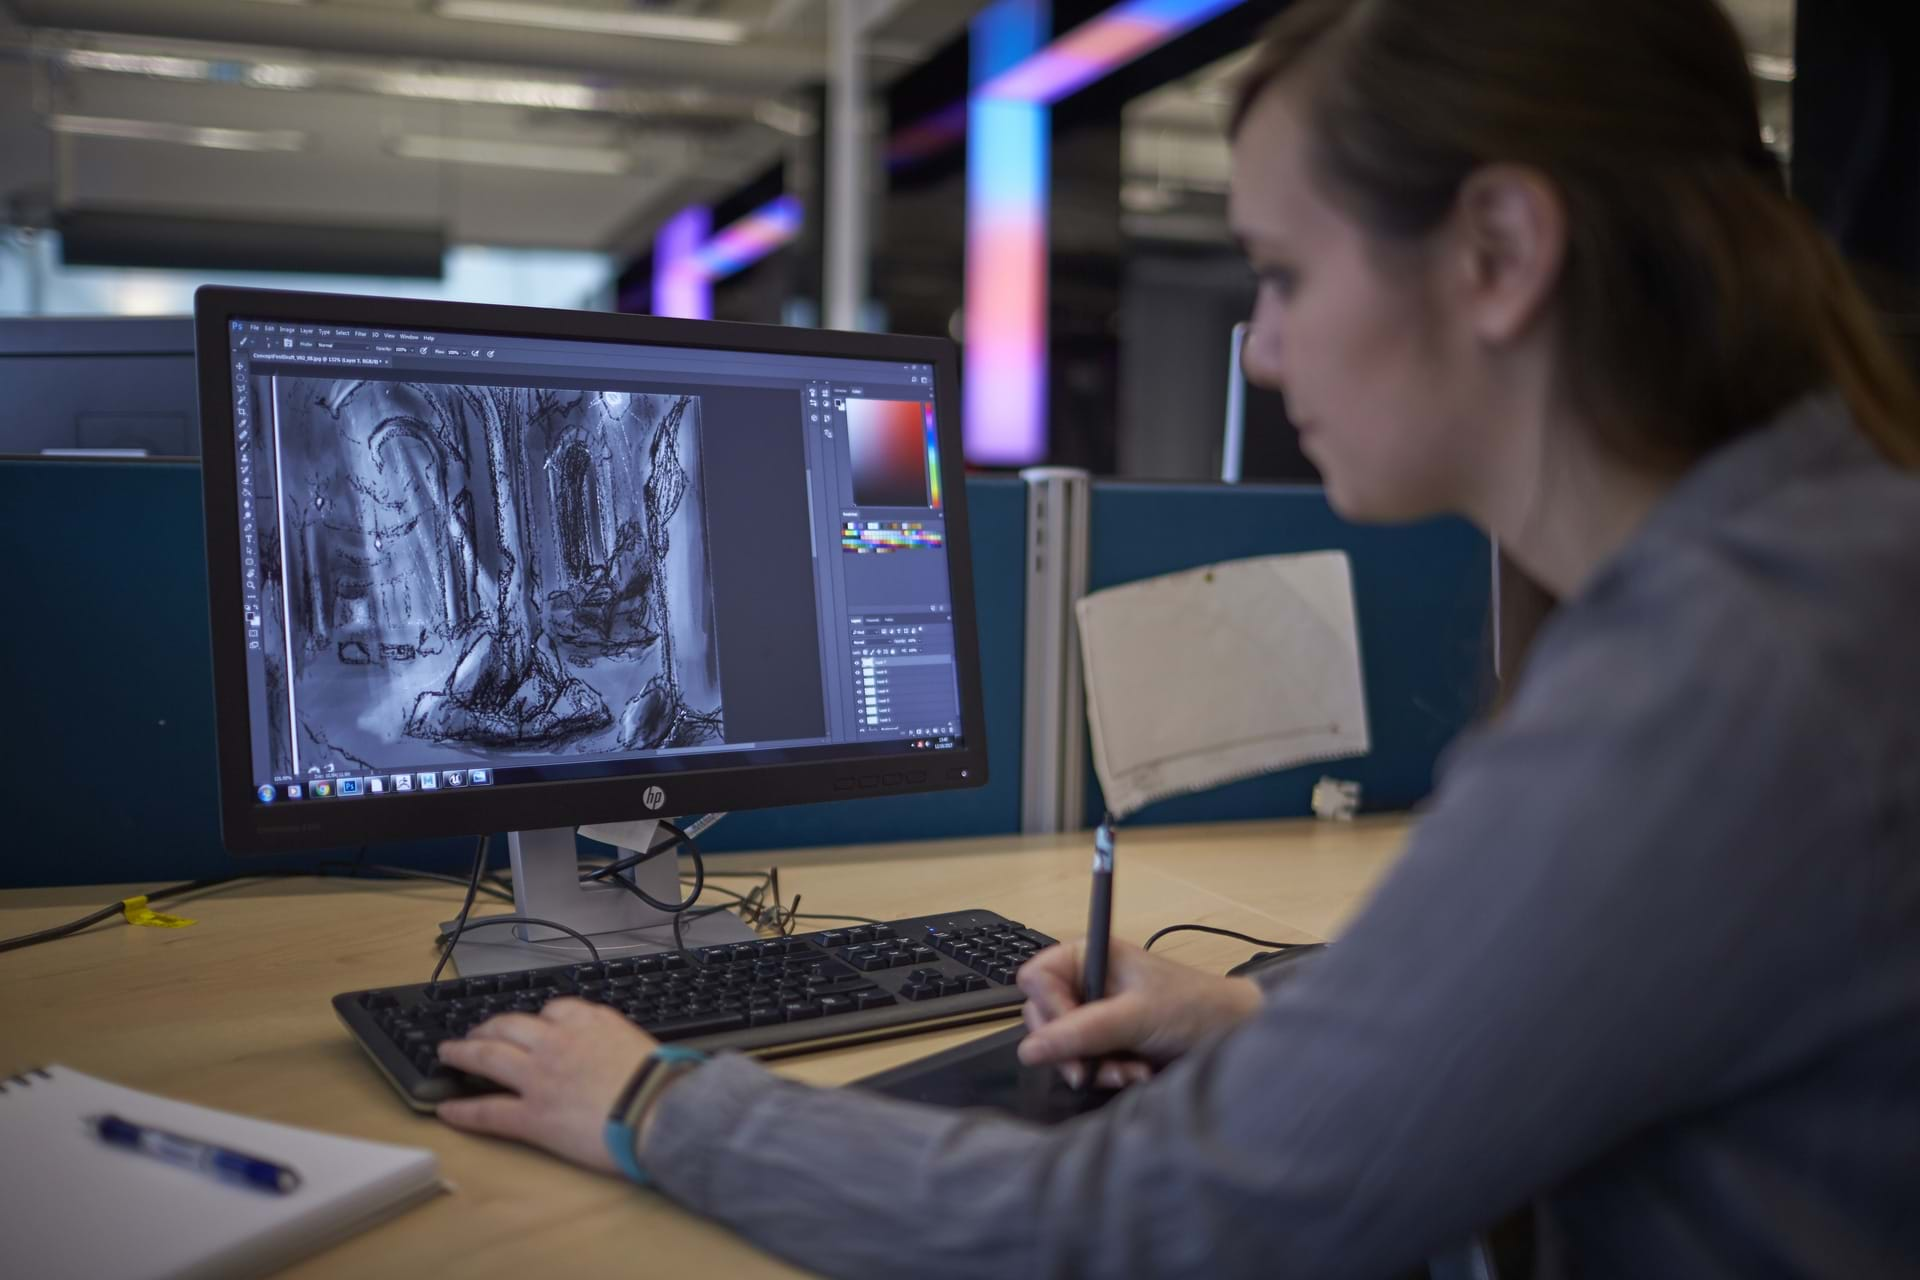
<point x="484" y="572"/>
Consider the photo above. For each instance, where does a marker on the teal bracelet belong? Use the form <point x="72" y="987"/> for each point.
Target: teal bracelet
<point x="622" y="1130"/>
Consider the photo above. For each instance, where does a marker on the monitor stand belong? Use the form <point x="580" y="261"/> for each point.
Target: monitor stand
<point x="546" y="883"/>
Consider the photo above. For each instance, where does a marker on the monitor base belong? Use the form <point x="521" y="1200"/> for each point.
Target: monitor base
<point x="477" y="954"/>
<point x="546" y="884"/>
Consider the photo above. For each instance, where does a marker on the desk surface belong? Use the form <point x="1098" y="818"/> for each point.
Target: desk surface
<point x="234" y="1012"/>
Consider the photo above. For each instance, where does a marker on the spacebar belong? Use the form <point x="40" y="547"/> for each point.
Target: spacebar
<point x="698" y="1024"/>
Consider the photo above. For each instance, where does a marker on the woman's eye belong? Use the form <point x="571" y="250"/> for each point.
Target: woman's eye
<point x="1281" y="280"/>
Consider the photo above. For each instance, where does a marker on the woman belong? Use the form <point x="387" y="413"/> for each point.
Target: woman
<point x="1651" y="963"/>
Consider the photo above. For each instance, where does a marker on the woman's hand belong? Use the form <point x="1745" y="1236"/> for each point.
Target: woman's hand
<point x="565" y="1067"/>
<point x="1154" y="1010"/>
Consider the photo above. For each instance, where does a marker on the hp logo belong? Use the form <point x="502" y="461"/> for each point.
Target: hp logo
<point x="655" y="797"/>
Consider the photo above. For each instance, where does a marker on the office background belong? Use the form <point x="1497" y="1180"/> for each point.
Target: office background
<point x="1043" y="182"/>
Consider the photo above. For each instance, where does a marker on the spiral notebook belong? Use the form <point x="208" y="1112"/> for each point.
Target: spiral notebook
<point x="71" y="1206"/>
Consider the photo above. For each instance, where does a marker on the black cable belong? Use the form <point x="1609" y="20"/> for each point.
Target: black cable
<point x="699" y="872"/>
<point x="118" y="907"/>
<point x="622" y="864"/>
<point x="460" y="922"/>
<point x="864" y="920"/>
<point x="468" y="926"/>
<point x="1225" y="933"/>
<point x="62" y="930"/>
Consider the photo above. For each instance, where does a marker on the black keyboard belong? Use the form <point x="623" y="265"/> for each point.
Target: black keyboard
<point x="767" y="997"/>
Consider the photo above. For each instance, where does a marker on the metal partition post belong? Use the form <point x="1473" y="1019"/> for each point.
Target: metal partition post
<point x="847" y="163"/>
<point x="1054" y="722"/>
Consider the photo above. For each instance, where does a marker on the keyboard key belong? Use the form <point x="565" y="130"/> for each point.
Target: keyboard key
<point x="802" y="1009"/>
<point x="766" y="1017"/>
<point x="834" y="938"/>
<point x="836" y="1004"/>
<point x="872" y="999"/>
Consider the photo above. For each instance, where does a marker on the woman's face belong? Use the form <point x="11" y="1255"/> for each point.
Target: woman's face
<point x="1351" y="330"/>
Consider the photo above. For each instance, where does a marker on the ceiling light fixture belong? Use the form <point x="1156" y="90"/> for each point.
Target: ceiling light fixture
<point x="186" y="135"/>
<point x="650" y="26"/>
<point x="473" y="86"/>
<point x="605" y="161"/>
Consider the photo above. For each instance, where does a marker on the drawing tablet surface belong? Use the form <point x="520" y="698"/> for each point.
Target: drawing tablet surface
<point x="988" y="1073"/>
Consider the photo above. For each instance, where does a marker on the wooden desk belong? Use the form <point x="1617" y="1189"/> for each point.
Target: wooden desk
<point x="234" y="1012"/>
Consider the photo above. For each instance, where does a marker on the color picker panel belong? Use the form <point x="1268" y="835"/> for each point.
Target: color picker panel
<point x="889" y="445"/>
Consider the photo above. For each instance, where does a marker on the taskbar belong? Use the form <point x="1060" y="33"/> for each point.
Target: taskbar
<point x="356" y="786"/>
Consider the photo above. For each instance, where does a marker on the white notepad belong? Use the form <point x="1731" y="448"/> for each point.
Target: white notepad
<point x="1221" y="673"/>
<point x="71" y="1206"/>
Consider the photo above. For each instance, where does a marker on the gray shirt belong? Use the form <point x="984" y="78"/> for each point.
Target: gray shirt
<point x="1650" y="962"/>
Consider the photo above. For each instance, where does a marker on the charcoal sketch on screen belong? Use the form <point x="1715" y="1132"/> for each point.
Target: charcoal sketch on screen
<point x="483" y="574"/>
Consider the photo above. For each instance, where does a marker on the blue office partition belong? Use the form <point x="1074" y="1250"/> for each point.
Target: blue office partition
<point x="111" y="684"/>
<point x="106" y="652"/>
<point x="1421" y="593"/>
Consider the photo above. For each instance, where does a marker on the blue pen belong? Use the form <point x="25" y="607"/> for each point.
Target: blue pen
<point x="191" y="1153"/>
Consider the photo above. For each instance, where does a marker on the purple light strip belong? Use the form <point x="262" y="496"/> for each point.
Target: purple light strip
<point x="741" y="244"/>
<point x="1100" y="45"/>
<point x="680" y="287"/>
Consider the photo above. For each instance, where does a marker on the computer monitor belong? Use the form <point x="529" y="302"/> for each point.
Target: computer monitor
<point x="484" y="568"/>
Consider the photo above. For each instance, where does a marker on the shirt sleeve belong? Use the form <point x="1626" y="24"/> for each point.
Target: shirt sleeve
<point x="1600" y="925"/>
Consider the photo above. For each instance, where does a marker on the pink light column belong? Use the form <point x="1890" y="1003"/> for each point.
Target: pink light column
<point x="1017" y="77"/>
<point x="1004" y="405"/>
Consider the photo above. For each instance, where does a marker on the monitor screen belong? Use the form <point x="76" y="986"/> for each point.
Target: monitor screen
<point x="486" y="550"/>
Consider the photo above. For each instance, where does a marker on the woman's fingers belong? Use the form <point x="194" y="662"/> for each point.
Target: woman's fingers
<point x="522" y="1029"/>
<point x="500" y="1115"/>
<point x="496" y="1059"/>
<point x="1090" y="1031"/>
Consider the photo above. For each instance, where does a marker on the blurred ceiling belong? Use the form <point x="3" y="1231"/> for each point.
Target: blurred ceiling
<point x="572" y="124"/>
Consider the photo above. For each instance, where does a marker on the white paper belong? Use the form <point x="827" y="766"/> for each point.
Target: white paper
<point x="1220" y="673"/>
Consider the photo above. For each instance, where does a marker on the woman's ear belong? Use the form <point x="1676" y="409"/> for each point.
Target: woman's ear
<point x="1510" y="242"/>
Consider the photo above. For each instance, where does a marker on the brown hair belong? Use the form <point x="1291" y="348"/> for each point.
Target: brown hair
<point x="1696" y="301"/>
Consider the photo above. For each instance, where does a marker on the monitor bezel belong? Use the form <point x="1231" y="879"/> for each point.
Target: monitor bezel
<point x="247" y="826"/>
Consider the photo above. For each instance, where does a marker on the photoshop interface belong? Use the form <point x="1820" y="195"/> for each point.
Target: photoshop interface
<point x="475" y="560"/>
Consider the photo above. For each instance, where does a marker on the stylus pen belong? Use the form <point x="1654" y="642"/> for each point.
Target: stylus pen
<point x="1093" y="975"/>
